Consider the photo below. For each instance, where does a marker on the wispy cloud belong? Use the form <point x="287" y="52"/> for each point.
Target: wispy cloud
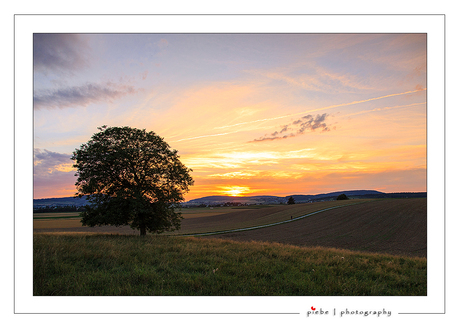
<point x="203" y="136"/>
<point x="80" y="95"/>
<point x="382" y="109"/>
<point x="419" y="88"/>
<point x="317" y="79"/>
<point x="298" y="127"/>
<point x="48" y="162"/>
<point x="53" y="174"/>
<point x="243" y="160"/>
<point x="61" y="52"/>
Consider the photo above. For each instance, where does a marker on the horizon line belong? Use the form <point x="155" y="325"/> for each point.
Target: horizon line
<point x="260" y="195"/>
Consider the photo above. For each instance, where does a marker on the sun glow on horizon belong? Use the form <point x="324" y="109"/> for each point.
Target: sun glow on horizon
<point x="235" y="190"/>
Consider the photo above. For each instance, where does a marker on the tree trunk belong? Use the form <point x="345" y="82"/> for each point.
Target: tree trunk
<point x="143" y="230"/>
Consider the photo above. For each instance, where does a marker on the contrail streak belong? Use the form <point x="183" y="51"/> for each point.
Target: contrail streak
<point x="299" y="113"/>
<point x="322" y="108"/>
<point x="381" y="109"/>
<point x="196" y="137"/>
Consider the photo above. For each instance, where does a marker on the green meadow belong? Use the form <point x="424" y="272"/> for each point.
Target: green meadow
<point x="111" y="265"/>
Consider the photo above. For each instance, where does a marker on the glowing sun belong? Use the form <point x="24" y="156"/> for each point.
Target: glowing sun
<point x="235" y="190"/>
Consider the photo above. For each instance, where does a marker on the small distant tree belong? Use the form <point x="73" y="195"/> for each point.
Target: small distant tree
<point x="291" y="200"/>
<point x="342" y="197"/>
<point x="130" y="177"/>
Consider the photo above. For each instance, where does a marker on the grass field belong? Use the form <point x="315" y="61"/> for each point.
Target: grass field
<point x="56" y="215"/>
<point x="108" y="265"/>
<point x="309" y="256"/>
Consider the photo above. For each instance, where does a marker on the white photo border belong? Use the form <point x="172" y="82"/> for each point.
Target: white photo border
<point x="26" y="25"/>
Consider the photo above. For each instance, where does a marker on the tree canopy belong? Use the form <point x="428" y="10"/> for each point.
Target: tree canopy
<point x="131" y="176"/>
<point x="342" y="197"/>
<point x="291" y="200"/>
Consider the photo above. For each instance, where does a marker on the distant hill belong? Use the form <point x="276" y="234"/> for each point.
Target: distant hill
<point x="262" y="199"/>
<point x="248" y="199"/>
<point x="334" y="195"/>
<point x="266" y="199"/>
<point x="60" y="202"/>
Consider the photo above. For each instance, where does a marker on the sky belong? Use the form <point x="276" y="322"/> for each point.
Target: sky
<point x="250" y="114"/>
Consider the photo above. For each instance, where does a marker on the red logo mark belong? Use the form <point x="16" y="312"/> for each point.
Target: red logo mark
<point x="313" y="308"/>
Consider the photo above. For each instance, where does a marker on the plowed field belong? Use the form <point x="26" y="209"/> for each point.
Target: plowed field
<point x="248" y="217"/>
<point x="393" y="226"/>
<point x="196" y="220"/>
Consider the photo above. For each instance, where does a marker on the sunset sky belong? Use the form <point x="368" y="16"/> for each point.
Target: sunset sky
<point x="250" y="114"/>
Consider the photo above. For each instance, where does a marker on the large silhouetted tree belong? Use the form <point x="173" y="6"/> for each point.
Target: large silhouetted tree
<point x="131" y="176"/>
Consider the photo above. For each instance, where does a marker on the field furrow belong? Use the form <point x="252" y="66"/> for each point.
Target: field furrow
<point x="394" y="226"/>
<point x="386" y="226"/>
